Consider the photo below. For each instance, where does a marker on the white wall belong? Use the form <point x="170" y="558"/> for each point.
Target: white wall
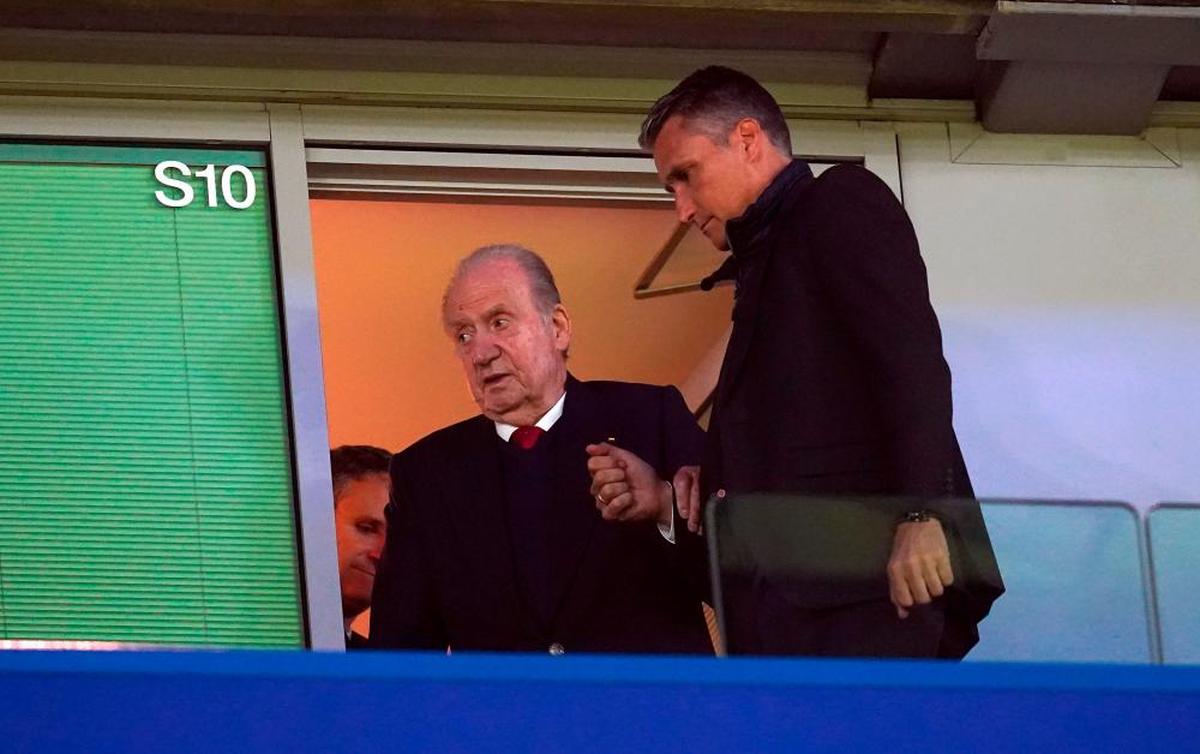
<point x="1069" y="298"/>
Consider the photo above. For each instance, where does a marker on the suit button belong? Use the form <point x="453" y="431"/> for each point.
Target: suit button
<point x="556" y="649"/>
<point x="721" y="493"/>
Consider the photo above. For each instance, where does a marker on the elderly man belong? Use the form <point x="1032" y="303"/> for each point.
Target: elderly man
<point x="833" y="382"/>
<point x="500" y="541"/>
<point x="360" y="493"/>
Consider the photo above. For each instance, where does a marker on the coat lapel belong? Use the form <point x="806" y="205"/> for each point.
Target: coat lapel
<point x="574" y="515"/>
<point x="480" y="518"/>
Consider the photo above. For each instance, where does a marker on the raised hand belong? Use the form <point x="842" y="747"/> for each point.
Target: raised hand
<point x="625" y="487"/>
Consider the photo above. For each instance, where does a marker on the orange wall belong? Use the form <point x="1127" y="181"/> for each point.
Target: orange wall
<point x="390" y="373"/>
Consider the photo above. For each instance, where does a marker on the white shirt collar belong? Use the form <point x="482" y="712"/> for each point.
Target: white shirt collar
<point x="545" y="423"/>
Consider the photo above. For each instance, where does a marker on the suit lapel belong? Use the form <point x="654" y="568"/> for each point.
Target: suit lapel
<point x="573" y="517"/>
<point x="745" y="318"/>
<point x="481" y="518"/>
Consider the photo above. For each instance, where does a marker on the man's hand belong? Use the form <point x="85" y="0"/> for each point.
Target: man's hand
<point x="919" y="569"/>
<point x="625" y="487"/>
<point x="687" y="496"/>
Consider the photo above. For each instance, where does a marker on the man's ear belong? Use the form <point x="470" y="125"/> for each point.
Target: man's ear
<point x="748" y="136"/>
<point x="560" y="325"/>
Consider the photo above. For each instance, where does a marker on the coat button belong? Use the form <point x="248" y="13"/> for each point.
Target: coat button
<point x="721" y="493"/>
<point x="556" y="649"/>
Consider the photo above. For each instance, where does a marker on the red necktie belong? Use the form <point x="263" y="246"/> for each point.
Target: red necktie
<point x="526" y="437"/>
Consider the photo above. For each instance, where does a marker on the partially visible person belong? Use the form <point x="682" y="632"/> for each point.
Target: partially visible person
<point x="360" y="494"/>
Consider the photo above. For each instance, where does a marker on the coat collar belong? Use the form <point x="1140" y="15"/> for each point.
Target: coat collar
<point x="747" y="231"/>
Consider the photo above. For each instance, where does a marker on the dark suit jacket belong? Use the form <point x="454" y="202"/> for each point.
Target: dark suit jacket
<point x="446" y="576"/>
<point x="834" y="381"/>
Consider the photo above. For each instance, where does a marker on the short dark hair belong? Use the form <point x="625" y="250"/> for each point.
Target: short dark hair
<point x="350" y="462"/>
<point x="712" y="100"/>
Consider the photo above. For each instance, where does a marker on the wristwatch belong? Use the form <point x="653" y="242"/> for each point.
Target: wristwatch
<point x="916" y="517"/>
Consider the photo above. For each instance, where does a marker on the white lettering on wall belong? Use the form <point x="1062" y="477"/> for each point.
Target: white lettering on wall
<point x="160" y="172"/>
<point x="170" y="174"/>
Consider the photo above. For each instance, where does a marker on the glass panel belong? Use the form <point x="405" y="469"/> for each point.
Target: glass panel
<point x="1072" y="571"/>
<point x="1074" y="588"/>
<point x="1174" y="534"/>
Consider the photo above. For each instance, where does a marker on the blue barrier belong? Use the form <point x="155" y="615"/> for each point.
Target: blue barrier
<point x="369" y="702"/>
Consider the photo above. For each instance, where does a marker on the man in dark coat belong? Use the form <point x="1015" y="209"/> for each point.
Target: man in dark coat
<point x="833" y="382"/>
<point x="498" y="539"/>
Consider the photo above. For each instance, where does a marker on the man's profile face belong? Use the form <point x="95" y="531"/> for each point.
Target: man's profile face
<point x="513" y="358"/>
<point x="711" y="182"/>
<point x="361" y="531"/>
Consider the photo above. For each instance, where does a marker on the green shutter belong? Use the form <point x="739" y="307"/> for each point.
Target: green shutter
<point x="145" y="475"/>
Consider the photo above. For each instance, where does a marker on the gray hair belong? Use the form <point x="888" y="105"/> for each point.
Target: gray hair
<point x="541" y="281"/>
<point x="712" y="100"/>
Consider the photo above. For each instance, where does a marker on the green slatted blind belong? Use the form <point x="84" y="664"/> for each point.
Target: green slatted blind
<point x="145" y="479"/>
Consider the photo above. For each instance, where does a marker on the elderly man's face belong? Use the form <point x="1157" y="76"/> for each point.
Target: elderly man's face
<point x="712" y="183"/>
<point x="513" y="357"/>
<point x="361" y="531"/>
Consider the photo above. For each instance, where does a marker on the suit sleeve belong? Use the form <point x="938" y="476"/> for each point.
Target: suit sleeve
<point x="870" y="266"/>
<point x="682" y="445"/>
<point x="404" y="611"/>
